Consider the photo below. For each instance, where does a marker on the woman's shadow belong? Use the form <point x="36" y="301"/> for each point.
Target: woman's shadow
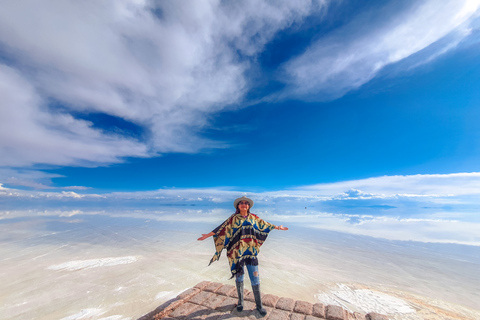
<point x="225" y="312"/>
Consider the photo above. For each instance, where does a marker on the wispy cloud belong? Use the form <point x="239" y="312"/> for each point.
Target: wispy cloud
<point x="434" y="229"/>
<point x="353" y="55"/>
<point x="31" y="178"/>
<point x="406" y="196"/>
<point x="35" y="179"/>
<point x="439" y="230"/>
<point x="432" y="185"/>
<point x="428" y="208"/>
<point x="420" y="185"/>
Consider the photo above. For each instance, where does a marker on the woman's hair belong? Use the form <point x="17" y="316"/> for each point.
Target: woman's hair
<point x="238" y="210"/>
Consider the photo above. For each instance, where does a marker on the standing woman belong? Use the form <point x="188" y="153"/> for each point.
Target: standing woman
<point x="242" y="235"/>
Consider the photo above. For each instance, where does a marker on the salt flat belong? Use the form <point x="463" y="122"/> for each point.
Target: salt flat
<point x="114" y="266"/>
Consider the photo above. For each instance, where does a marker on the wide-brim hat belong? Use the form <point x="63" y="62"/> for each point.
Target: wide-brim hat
<point x="250" y="201"/>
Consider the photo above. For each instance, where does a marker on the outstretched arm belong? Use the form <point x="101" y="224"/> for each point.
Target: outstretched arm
<point x="281" y="227"/>
<point x="205" y="236"/>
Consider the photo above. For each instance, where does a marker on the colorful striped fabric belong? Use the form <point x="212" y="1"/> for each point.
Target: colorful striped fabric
<point x="242" y="238"/>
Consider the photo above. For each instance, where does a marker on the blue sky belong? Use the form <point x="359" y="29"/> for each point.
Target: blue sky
<point x="131" y="99"/>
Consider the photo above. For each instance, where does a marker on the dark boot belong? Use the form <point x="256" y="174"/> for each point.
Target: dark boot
<point x="240" y="295"/>
<point x="258" y="300"/>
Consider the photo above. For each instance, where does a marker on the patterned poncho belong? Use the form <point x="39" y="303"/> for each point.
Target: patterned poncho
<point x="242" y="238"/>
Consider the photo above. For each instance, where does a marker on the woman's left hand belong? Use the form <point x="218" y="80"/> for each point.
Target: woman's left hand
<point x="281" y="227"/>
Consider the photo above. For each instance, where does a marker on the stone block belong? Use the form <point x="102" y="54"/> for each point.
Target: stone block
<point x="334" y="313"/>
<point x="187" y="294"/>
<point x="246" y="313"/>
<point x="232" y="316"/>
<point x="213" y="301"/>
<point x="214" y="315"/>
<point x="200" y="297"/>
<point x="277" y="314"/>
<point x="198" y="313"/>
<point x="183" y="310"/>
<point x="227" y="316"/>
<point x="213" y="286"/>
<point x="375" y="316"/>
<point x="303" y="307"/>
<point x="227" y="305"/>
<point x="297" y="316"/>
<point x="257" y="314"/>
<point x="226" y="289"/>
<point x="285" y="304"/>
<point x="248" y="305"/>
<point x="166" y="308"/>
<point x="318" y="310"/>
<point x="355" y="316"/>
<point x="269" y="300"/>
<point x="202" y="285"/>
<point x="158" y="310"/>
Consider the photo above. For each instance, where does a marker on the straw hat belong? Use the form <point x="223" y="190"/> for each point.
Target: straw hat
<point x="250" y="201"/>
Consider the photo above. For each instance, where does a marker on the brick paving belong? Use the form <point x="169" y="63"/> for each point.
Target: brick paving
<point x="217" y="301"/>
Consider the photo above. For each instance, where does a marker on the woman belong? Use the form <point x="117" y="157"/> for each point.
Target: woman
<point x="242" y="235"/>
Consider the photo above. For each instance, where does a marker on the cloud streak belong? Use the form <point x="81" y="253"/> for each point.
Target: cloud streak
<point x="408" y="186"/>
<point x="426" y="208"/>
<point x="416" y="196"/>
<point x="355" y="54"/>
<point x="437" y="230"/>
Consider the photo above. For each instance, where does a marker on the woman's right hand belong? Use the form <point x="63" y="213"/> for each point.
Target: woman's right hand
<point x="205" y="236"/>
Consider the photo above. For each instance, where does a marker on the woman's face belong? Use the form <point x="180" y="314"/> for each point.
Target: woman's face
<point x="243" y="205"/>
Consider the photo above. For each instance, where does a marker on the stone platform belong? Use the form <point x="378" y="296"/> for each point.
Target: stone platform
<point x="217" y="301"/>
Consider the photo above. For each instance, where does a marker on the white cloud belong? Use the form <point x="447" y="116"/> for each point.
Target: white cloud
<point x="31" y="178"/>
<point x="7" y="193"/>
<point x="440" y="208"/>
<point x="432" y="185"/>
<point x="353" y="55"/>
<point x="357" y="194"/>
<point x="28" y="178"/>
<point x="76" y="188"/>
<point x="31" y="134"/>
<point x="71" y="194"/>
<point x="439" y="230"/>
<point x="436" y="229"/>
<point x="424" y="230"/>
<point x="441" y="189"/>
<point x="116" y="57"/>
<point x="447" y="187"/>
<point x="26" y="183"/>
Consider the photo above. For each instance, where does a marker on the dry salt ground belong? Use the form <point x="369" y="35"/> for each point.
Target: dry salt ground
<point x="93" y="263"/>
<point x="365" y="299"/>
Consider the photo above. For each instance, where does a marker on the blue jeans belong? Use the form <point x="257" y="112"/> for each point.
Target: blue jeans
<point x="252" y="273"/>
